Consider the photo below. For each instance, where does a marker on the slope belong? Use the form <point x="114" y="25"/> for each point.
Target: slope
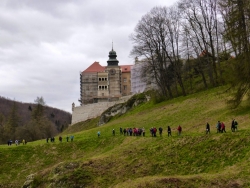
<point x="191" y="160"/>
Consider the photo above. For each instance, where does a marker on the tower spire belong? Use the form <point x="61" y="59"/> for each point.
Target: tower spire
<point x="112" y="57"/>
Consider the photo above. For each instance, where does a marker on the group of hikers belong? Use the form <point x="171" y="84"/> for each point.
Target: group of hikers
<point x="130" y="131"/>
<point x="141" y="131"/>
<point x="221" y="127"/>
<point x="52" y="139"/>
<point x="153" y="131"/>
<point x="17" y="142"/>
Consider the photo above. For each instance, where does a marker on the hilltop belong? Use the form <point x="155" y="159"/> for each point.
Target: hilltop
<point x="193" y="159"/>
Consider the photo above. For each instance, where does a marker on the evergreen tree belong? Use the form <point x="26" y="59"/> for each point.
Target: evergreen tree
<point x="2" y="120"/>
<point x="39" y="127"/>
<point x="12" y="124"/>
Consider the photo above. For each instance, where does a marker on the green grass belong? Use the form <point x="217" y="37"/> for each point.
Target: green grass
<point x="191" y="160"/>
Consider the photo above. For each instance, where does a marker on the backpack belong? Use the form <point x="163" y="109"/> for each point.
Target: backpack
<point x="235" y="123"/>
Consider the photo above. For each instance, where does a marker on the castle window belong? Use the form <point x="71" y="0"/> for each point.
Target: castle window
<point x="124" y="79"/>
<point x="105" y="79"/>
<point x="100" y="79"/>
<point x="100" y="87"/>
<point x="125" y="88"/>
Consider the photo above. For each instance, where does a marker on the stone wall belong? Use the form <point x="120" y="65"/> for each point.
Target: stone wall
<point x="89" y="111"/>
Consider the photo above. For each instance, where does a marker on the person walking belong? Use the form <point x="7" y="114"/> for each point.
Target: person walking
<point x="223" y="127"/>
<point x="143" y="131"/>
<point x="124" y="131"/>
<point x="179" y="130"/>
<point x="169" y="131"/>
<point x="207" y="128"/>
<point x="160" y="131"/>
<point x="218" y="127"/>
<point x="154" y="131"/>
<point x="233" y="126"/>
<point x="98" y="134"/>
<point x="151" y="131"/>
<point x="236" y="125"/>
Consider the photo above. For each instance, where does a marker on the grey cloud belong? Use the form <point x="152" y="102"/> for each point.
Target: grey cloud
<point x="45" y="44"/>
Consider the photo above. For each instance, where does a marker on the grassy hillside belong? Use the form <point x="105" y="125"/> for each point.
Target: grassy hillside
<point x="191" y="160"/>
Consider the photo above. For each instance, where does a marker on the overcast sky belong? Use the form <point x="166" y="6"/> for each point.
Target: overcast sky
<point x="44" y="44"/>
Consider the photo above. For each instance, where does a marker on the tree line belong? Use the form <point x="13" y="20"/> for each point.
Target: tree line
<point x="196" y="44"/>
<point x="30" y="121"/>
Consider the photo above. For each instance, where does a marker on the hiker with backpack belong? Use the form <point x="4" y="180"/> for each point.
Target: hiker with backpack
<point x="223" y="127"/>
<point x="235" y="125"/>
<point x="154" y="131"/>
<point x="218" y="127"/>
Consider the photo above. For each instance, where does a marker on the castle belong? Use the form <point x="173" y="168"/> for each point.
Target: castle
<point x="104" y="86"/>
<point x="105" y="83"/>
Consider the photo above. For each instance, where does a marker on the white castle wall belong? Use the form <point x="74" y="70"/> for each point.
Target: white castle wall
<point x="89" y="111"/>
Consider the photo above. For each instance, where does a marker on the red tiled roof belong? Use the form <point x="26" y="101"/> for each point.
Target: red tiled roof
<point x="126" y="68"/>
<point x="95" y="67"/>
<point x="204" y="53"/>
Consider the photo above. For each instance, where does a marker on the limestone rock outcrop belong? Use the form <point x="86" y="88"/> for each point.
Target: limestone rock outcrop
<point x="119" y="109"/>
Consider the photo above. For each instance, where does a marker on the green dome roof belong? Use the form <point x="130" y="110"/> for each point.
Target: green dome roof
<point x="112" y="52"/>
<point x="112" y="58"/>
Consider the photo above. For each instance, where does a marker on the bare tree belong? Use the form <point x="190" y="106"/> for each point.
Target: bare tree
<point x="202" y="23"/>
<point x="156" y="39"/>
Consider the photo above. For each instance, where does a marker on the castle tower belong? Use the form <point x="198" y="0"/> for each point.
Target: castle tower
<point x="114" y="75"/>
<point x="112" y="58"/>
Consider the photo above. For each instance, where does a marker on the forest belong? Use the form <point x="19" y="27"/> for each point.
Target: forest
<point x="195" y="45"/>
<point x="30" y="121"/>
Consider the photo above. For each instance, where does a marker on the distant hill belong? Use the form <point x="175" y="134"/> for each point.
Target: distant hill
<point x="60" y="118"/>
